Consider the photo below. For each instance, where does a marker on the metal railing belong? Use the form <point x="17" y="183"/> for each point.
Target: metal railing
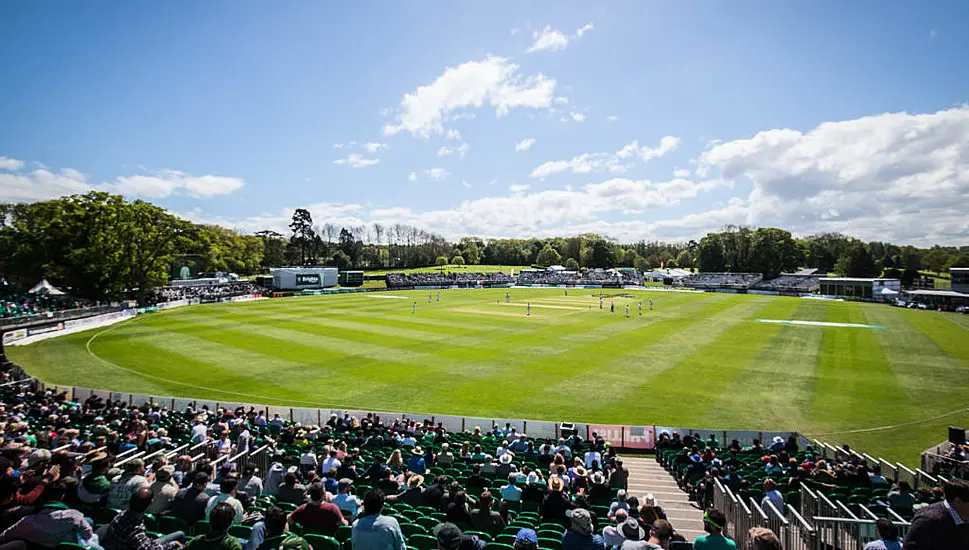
<point x="261" y="457"/>
<point x="849" y="534"/>
<point x="128" y="458"/>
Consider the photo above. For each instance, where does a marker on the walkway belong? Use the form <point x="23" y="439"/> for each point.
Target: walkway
<point x="647" y="476"/>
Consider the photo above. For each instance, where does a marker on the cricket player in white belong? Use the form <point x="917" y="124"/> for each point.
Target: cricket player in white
<point x="640" y="309"/>
<point x="627" y="311"/>
<point x="414" y="307"/>
<point x="651" y="304"/>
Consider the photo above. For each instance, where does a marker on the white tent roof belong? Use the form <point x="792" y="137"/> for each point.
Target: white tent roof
<point x="885" y="291"/>
<point x="43" y="287"/>
<point x="556" y="268"/>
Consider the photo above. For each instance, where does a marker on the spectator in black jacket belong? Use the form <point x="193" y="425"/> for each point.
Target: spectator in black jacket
<point x="190" y="502"/>
<point x="943" y="525"/>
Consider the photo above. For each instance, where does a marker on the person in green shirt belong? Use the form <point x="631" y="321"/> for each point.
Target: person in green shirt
<point x="714" y="522"/>
<point x="218" y="538"/>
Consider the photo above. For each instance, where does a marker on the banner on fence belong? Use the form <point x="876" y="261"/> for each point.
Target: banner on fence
<point x="638" y="437"/>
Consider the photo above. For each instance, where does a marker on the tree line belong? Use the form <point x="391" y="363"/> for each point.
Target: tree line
<point x="101" y="246"/>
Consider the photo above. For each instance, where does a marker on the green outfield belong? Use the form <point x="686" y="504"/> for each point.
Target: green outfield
<point x="699" y="360"/>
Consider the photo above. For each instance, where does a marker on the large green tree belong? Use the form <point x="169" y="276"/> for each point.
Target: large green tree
<point x="548" y="256"/>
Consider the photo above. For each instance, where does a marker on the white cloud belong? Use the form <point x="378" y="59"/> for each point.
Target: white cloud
<point x="494" y="80"/>
<point x="681" y="173"/>
<point x="514" y="31"/>
<point x="375" y="147"/>
<point x="548" y="40"/>
<point x="518" y="188"/>
<point x="447" y="150"/>
<point x="612" y="118"/>
<point x="355" y="160"/>
<point x="339" y="145"/>
<point x="7" y="163"/>
<point x="453" y="134"/>
<point x="524" y="144"/>
<point x="617" y="162"/>
<point x="44" y="184"/>
<point x="437" y="173"/>
<point x="412" y="176"/>
<point x="168" y="182"/>
<point x="894" y="177"/>
<point x="466" y="184"/>
<point x="578" y="117"/>
<point x="583" y="29"/>
<point x="561" y="100"/>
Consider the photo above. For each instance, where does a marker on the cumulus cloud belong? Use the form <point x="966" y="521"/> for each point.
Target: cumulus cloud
<point x="355" y="160"/>
<point x="617" y="162"/>
<point x="494" y="80"/>
<point x="681" y="173"/>
<point x="45" y="184"/>
<point x="518" y="188"/>
<point x="168" y="182"/>
<point x="7" y="163"/>
<point x="412" y="177"/>
<point x="894" y="176"/>
<point x="437" y="173"/>
<point x="583" y="29"/>
<point x="375" y="147"/>
<point x="524" y="144"/>
<point x="453" y="134"/>
<point x="612" y="118"/>
<point x="577" y="117"/>
<point x="446" y="150"/>
<point x="548" y="40"/>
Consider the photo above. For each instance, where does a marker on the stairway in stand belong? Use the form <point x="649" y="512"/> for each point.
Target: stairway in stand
<point x="647" y="476"/>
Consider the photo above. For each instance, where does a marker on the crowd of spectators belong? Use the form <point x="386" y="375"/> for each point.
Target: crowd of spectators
<point x="735" y="281"/>
<point x="15" y="306"/>
<point x="606" y="277"/>
<point x="398" y="280"/>
<point x="791" y="283"/>
<point x="772" y="476"/>
<point x="203" y="292"/>
<point x="383" y="485"/>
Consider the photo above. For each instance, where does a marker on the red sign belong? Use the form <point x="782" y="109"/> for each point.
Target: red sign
<point x="639" y="437"/>
<point x="612" y="434"/>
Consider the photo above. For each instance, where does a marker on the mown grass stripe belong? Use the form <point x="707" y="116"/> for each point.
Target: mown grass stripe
<point x="853" y="373"/>
<point x="780" y="374"/>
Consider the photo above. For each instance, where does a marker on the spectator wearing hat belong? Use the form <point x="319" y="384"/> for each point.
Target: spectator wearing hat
<point x="218" y="538"/>
<point x="580" y="535"/>
<point x="526" y="539"/>
<point x="413" y="495"/>
<point x="511" y="492"/>
<point x="53" y="523"/>
<point x="125" y="484"/>
<point x="944" y="524"/>
<point x="761" y="538"/>
<point x="227" y="495"/>
<point x="317" y="515"/>
<point x="612" y="534"/>
<point x="127" y="530"/>
<point x="373" y="530"/>
<point x="416" y="461"/>
<point x="714" y="522"/>
<point x="450" y="537"/>
<point x="483" y="518"/>
<point x="347" y="502"/>
<point x="164" y="490"/>
<point x="556" y="502"/>
<point x="505" y="465"/>
<point x="634" y="535"/>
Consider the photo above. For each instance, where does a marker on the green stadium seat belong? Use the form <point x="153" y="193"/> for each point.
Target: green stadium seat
<point x="409" y="529"/>
<point x="421" y="542"/>
<point x="201" y="527"/>
<point x="550" y="543"/>
<point x="343" y="533"/>
<point x="322" y="542"/>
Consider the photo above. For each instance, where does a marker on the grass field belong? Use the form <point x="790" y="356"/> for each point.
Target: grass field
<point x="700" y="360"/>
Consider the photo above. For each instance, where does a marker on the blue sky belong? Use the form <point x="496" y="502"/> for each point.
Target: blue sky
<point x="659" y="120"/>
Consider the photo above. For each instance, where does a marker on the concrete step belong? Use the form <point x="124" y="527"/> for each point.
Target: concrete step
<point x="647" y="476"/>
